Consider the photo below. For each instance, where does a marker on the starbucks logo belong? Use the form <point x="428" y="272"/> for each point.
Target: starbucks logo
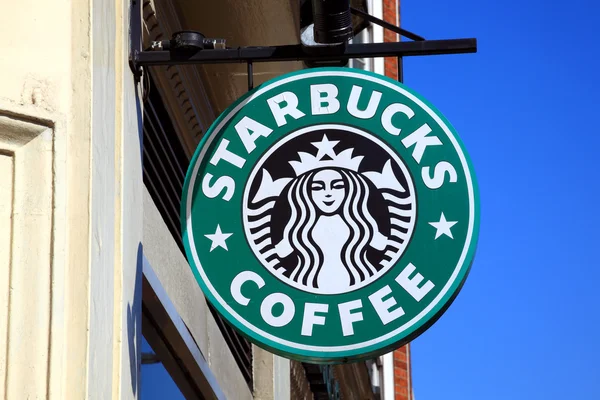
<point x="329" y="209"/>
<point x="330" y="215"/>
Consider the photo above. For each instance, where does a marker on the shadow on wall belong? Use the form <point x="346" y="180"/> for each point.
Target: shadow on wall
<point x="134" y="324"/>
<point x="134" y="310"/>
<point x="140" y="124"/>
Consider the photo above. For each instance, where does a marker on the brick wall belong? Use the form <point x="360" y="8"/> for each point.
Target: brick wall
<point x="391" y="15"/>
<point x="401" y="356"/>
<point x="402" y="374"/>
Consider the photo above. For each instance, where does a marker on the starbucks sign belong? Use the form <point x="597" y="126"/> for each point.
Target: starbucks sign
<point x="330" y="215"/>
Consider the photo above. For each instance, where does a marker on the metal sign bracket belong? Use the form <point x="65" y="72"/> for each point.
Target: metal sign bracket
<point x="191" y="47"/>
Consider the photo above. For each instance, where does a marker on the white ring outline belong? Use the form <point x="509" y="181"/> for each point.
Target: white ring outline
<point x="357" y="346"/>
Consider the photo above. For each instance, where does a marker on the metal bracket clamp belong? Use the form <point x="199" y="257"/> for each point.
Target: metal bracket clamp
<point x="135" y="37"/>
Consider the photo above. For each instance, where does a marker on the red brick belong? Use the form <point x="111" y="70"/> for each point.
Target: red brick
<point x="400" y="373"/>
<point x="402" y="350"/>
<point x="400" y="364"/>
<point x="402" y="378"/>
<point x="400" y="381"/>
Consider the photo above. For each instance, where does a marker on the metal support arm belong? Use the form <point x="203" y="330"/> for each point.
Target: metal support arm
<point x="195" y="52"/>
<point x="303" y="53"/>
<point x="387" y="25"/>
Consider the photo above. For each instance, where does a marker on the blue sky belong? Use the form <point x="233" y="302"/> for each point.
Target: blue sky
<point x="527" y="322"/>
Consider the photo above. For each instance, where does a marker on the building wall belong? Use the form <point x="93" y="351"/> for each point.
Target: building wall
<point x="299" y="385"/>
<point x="184" y="93"/>
<point x="176" y="277"/>
<point x="402" y="374"/>
<point x="70" y="214"/>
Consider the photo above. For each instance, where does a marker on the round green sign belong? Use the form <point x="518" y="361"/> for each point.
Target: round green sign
<point x="330" y="215"/>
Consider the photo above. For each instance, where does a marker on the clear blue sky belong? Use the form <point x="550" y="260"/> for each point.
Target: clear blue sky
<point x="527" y="322"/>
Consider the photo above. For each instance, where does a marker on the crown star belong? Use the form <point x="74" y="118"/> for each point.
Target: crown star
<point x="325" y="147"/>
<point x="270" y="188"/>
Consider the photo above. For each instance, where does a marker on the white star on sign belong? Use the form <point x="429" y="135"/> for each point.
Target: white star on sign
<point x="443" y="227"/>
<point x="218" y="239"/>
<point x="325" y="147"/>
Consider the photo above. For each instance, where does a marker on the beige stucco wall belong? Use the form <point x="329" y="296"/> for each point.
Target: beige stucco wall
<point x="70" y="201"/>
<point x="272" y="378"/>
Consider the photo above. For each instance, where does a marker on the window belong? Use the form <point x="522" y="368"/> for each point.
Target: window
<point x="156" y="383"/>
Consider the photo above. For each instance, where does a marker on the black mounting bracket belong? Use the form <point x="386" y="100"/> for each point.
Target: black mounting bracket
<point x="191" y="47"/>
